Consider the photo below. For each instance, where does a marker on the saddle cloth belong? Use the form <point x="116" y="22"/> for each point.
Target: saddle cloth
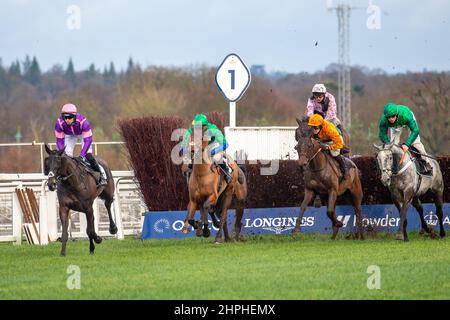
<point x="87" y="167"/>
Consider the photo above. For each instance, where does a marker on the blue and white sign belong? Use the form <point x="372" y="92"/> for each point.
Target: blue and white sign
<point x="385" y="218"/>
<point x="233" y="77"/>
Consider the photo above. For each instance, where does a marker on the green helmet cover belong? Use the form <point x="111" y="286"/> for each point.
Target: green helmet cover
<point x="200" y="119"/>
<point x="390" y="110"/>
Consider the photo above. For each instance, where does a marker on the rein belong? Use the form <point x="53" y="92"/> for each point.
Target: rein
<point x="61" y="178"/>
<point x="312" y="158"/>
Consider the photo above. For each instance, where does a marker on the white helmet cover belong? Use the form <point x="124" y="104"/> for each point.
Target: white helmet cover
<point x="319" y="88"/>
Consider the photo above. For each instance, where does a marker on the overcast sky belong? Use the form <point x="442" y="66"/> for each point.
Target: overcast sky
<point x="279" y="34"/>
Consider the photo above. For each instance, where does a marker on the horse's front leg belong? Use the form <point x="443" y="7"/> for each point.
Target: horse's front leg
<point x="192" y="206"/>
<point x="331" y="212"/>
<point x="402" y="234"/>
<point x="64" y="217"/>
<point x="210" y="206"/>
<point x="204" y="231"/>
<point x="309" y="194"/>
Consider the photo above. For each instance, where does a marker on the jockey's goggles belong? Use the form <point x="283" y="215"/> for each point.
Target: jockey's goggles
<point x="318" y="94"/>
<point x="68" y="116"/>
<point x="316" y="127"/>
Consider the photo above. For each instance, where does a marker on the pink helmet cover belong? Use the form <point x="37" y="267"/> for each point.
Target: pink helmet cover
<point x="69" y="108"/>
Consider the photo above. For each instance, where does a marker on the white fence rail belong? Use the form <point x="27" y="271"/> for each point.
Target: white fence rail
<point x="262" y="143"/>
<point x="127" y="208"/>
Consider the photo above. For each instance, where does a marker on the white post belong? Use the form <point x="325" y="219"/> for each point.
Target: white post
<point x="117" y="213"/>
<point x="96" y="215"/>
<point x="52" y="216"/>
<point x="43" y="219"/>
<point x="83" y="224"/>
<point x="232" y="114"/>
<point x="17" y="220"/>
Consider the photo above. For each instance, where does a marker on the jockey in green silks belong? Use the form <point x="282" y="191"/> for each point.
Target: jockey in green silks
<point x="394" y="119"/>
<point x="217" y="143"/>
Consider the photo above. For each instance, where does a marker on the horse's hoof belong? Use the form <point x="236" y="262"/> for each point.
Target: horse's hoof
<point x="433" y="235"/>
<point x="442" y="234"/>
<point x="217" y="242"/>
<point x="185" y="230"/>
<point x="91" y="252"/>
<point x="206" y="233"/>
<point x="113" y="230"/>
<point x="62" y="254"/>
<point x="399" y="237"/>
<point x="421" y="231"/>
<point x="199" y="232"/>
<point x="339" y="224"/>
<point x="98" y="240"/>
<point x="317" y="203"/>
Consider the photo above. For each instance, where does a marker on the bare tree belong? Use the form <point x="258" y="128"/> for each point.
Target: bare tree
<point x="432" y="109"/>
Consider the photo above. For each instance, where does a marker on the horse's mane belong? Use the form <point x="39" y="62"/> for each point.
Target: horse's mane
<point x="397" y="154"/>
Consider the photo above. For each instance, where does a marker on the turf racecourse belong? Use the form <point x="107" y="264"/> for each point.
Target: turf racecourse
<point x="263" y="267"/>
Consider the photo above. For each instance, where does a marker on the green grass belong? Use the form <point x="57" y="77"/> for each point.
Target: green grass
<point x="262" y="267"/>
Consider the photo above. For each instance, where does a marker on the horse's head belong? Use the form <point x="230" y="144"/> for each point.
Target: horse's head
<point x="52" y="166"/>
<point x="303" y="136"/>
<point x="303" y="130"/>
<point x="307" y="149"/>
<point x="385" y="161"/>
<point x="198" y="145"/>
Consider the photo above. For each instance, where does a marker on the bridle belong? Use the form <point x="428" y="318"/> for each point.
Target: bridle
<point x="312" y="158"/>
<point x="59" y="177"/>
<point x="389" y="170"/>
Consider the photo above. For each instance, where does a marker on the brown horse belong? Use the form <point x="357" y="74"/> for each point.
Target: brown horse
<point x="210" y="193"/>
<point x="77" y="190"/>
<point x="323" y="177"/>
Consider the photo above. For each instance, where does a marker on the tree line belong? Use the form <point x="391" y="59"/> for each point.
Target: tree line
<point x="30" y="99"/>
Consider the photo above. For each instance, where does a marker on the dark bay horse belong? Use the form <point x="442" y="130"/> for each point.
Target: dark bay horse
<point x="211" y="194"/>
<point x="77" y="190"/>
<point x="323" y="177"/>
<point x="407" y="185"/>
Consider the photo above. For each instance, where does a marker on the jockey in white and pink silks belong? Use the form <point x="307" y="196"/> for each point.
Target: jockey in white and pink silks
<point x="72" y="127"/>
<point x="323" y="103"/>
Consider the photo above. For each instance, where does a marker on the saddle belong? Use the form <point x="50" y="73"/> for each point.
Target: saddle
<point x="87" y="167"/>
<point x="420" y="162"/>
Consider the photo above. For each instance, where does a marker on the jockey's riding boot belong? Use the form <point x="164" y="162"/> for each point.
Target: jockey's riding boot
<point x="96" y="167"/>
<point x="226" y="169"/>
<point x="340" y="159"/>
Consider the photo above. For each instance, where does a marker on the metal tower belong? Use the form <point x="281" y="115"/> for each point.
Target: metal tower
<point x="344" y="99"/>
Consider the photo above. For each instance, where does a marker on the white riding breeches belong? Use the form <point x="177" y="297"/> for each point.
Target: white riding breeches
<point x="395" y="134"/>
<point x="70" y="141"/>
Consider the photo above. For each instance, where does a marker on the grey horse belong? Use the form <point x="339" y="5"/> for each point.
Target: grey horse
<point x="399" y="174"/>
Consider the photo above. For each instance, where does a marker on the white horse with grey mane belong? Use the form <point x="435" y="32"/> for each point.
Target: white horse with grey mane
<point x="399" y="174"/>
